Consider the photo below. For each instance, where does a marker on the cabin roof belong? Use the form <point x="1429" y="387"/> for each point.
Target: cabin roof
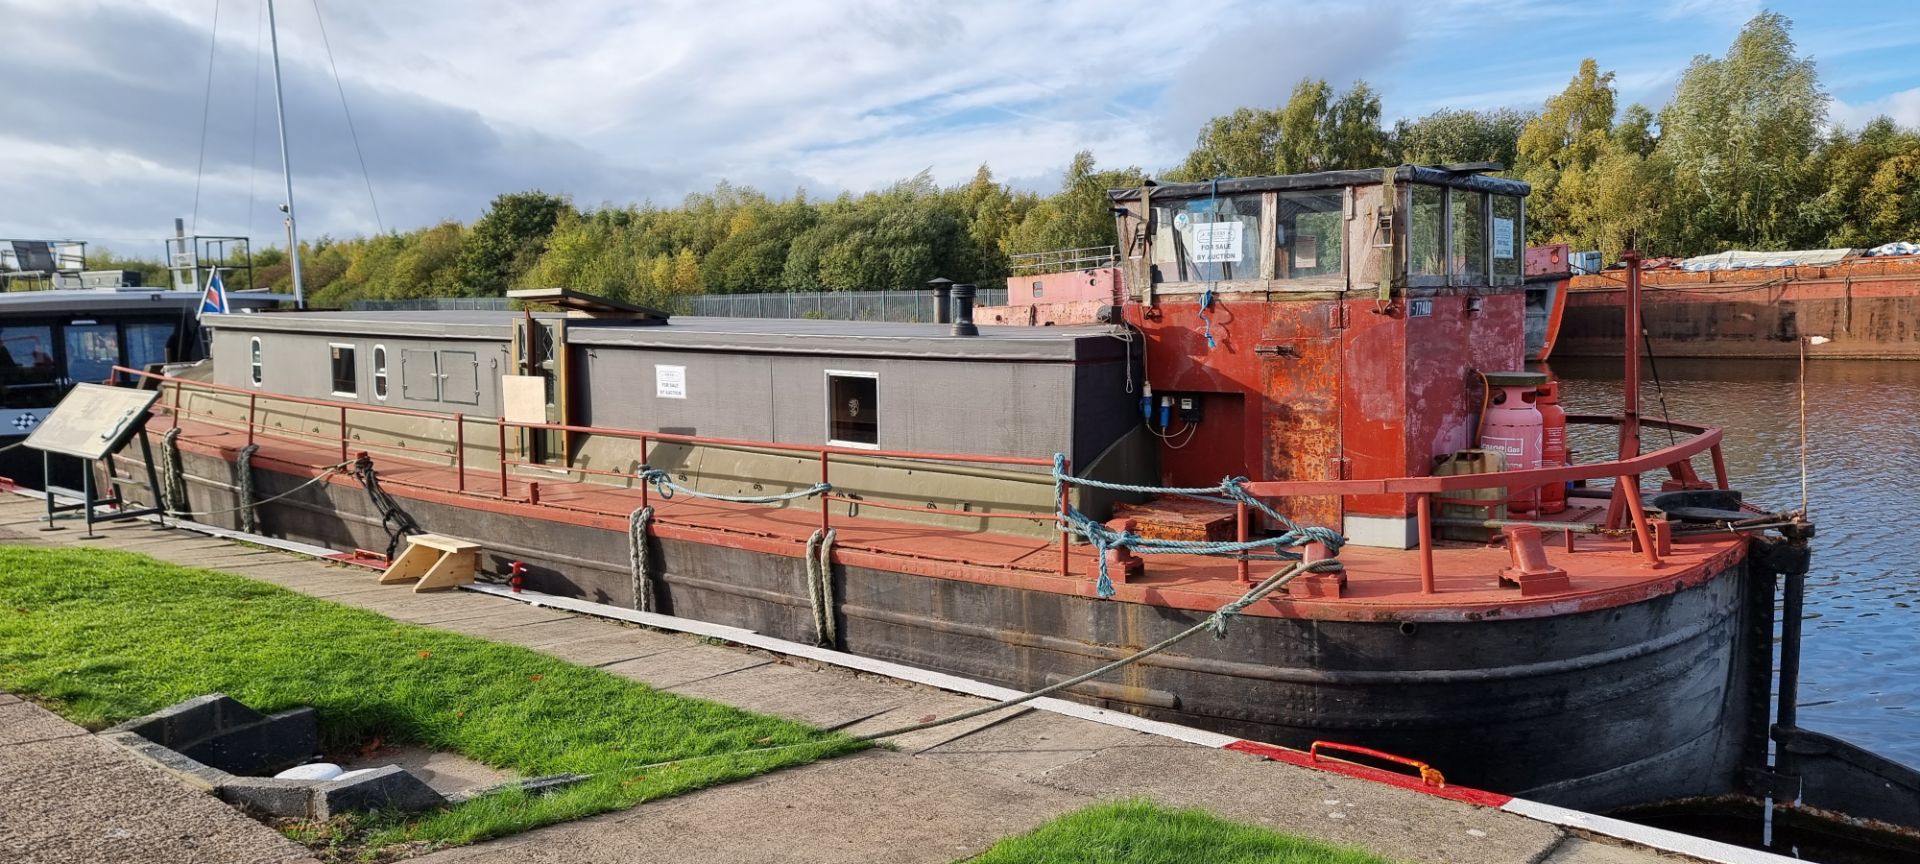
<point x="1428" y="174"/>
<point x="62" y="301"/>
<point x="695" y="333"/>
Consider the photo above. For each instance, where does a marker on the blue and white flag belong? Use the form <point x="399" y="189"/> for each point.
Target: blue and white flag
<point x="215" y="297"/>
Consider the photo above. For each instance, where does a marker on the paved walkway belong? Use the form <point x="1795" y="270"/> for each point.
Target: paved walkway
<point x="942" y="794"/>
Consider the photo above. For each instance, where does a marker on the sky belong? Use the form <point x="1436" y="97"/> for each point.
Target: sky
<point x="628" y="101"/>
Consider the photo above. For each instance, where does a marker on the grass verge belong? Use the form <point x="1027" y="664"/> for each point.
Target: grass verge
<point x="102" y="637"/>
<point x="1141" y="832"/>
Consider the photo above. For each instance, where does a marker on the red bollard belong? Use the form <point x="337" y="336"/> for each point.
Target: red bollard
<point x="1317" y="584"/>
<point x="1530" y="570"/>
<point x="1122" y="564"/>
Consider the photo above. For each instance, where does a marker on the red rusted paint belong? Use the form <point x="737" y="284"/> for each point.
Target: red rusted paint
<point x="1465" y="794"/>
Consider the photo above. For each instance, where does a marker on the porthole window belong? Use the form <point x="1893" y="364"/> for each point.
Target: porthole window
<point x="254" y="363"/>
<point x="380" y="372"/>
<point x="853" y="409"/>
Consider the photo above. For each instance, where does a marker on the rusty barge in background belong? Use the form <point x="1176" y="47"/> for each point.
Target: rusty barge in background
<point x="1755" y="305"/>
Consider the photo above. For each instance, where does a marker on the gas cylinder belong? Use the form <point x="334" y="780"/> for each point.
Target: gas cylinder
<point x="1514" y="427"/>
<point x="1553" y="445"/>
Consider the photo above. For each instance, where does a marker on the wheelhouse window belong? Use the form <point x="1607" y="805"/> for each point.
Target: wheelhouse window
<point x="93" y="349"/>
<point x="150" y="342"/>
<point x="1207" y="239"/>
<point x="1424" y="255"/>
<point x="253" y="362"/>
<point x="345" y="374"/>
<point x="29" y="377"/>
<point x="1468" y="247"/>
<point x="1308" y="235"/>
<point x="380" y="372"/>
<point x="1509" y="247"/>
<point x="853" y="409"/>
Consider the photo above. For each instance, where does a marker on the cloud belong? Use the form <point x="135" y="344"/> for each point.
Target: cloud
<point x="1256" y="58"/>
<point x="1903" y="107"/>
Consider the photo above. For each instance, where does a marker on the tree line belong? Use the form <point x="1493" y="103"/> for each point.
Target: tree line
<point x="1741" y="156"/>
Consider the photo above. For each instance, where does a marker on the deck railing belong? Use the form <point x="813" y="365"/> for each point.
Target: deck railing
<point x="1625" y="473"/>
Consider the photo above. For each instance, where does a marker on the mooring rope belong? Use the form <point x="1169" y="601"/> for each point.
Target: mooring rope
<point x="173" y="476"/>
<point x="243" y="485"/>
<point x="1231" y="489"/>
<point x="639" y="560"/>
<point x="820" y="587"/>
<point x="329" y="471"/>
<point x="664" y="486"/>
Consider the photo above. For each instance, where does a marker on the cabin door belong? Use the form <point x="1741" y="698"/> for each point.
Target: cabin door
<point x="1301" y="381"/>
<point x="539" y="349"/>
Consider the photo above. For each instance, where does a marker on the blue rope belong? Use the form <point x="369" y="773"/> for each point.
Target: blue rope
<point x="1231" y="489"/>
<point x="663" y="484"/>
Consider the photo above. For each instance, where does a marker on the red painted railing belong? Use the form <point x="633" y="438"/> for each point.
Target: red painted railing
<point x="1625" y="473"/>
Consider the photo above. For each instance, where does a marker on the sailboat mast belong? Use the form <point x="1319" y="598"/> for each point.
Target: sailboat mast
<point x="286" y="164"/>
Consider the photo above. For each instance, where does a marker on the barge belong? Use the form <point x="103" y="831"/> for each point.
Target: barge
<point x="1296" y="363"/>
<point x="1861" y="308"/>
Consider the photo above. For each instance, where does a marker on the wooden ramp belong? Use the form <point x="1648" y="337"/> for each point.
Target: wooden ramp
<point x="438" y="561"/>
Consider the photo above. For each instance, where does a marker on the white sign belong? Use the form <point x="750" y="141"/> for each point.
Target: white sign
<point x="1502" y="238"/>
<point x="1217" y="242"/>
<point x="670" y="382"/>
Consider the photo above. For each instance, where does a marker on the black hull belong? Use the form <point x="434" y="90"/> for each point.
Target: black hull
<point x="1592" y="710"/>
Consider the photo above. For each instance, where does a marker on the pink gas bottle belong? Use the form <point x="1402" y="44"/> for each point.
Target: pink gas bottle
<point x="1513" y="426"/>
<point x="1553" y="446"/>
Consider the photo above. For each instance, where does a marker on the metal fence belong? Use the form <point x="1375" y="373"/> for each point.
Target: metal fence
<point x="433" y="304"/>
<point x="896" y="306"/>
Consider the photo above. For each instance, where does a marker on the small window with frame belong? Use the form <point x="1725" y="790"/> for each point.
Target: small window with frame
<point x="853" y="409"/>
<point x="254" y="364"/>
<point x="345" y="375"/>
<point x="380" y="372"/>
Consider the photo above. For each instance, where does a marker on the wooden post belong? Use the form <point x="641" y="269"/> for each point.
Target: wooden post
<point x="343" y="433"/>
<point x="252" y="400"/>
<point x="646" y="494"/>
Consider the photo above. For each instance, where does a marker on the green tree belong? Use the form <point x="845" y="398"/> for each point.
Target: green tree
<point x="1560" y="151"/>
<point x="507" y="240"/>
<point x="1740" y="132"/>
<point x="1080" y="215"/>
<point x="1449" y="136"/>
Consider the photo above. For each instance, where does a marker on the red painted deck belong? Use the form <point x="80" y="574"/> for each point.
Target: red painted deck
<point x="1383" y="584"/>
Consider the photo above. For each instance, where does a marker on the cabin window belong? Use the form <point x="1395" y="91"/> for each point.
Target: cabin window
<point x="28" y="373"/>
<point x="853" y="409"/>
<point x="253" y="352"/>
<point x="345" y="375"/>
<point x="1468" y="246"/>
<point x="380" y="372"/>
<point x="1307" y="237"/>
<point x="93" y="349"/>
<point x="1509" y="247"/>
<point x="1207" y="239"/>
<point x="1423" y="233"/>
<point x="149" y="342"/>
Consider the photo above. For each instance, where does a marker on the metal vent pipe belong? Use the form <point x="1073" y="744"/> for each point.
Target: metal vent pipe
<point x="963" y="310"/>
<point x="942" y="288"/>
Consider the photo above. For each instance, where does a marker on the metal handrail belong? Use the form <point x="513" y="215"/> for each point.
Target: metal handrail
<point x="1625" y="472"/>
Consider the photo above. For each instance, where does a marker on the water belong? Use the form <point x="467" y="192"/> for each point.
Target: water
<point x="1860" y="662"/>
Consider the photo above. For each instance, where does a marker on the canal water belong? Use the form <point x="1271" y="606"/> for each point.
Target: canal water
<point x="1860" y="672"/>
